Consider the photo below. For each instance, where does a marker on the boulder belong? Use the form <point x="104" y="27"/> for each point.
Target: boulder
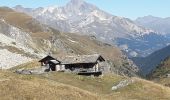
<point x="122" y="84"/>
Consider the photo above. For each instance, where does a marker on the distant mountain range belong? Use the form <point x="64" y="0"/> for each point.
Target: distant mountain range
<point x="161" y="25"/>
<point x="80" y="17"/>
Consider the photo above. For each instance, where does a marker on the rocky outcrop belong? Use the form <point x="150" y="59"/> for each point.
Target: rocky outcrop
<point x="39" y="70"/>
<point x="9" y="59"/>
<point x="122" y="84"/>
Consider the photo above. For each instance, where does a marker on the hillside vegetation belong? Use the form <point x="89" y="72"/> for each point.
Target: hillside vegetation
<point x="162" y="69"/>
<point x="22" y="87"/>
<point x="64" y="86"/>
<point x="149" y="63"/>
<point x="159" y="75"/>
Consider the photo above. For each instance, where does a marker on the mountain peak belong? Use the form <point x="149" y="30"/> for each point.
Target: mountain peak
<point x="77" y="6"/>
<point x="76" y="2"/>
<point x="18" y="7"/>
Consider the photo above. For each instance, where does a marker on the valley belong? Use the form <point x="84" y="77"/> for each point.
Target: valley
<point x="149" y="63"/>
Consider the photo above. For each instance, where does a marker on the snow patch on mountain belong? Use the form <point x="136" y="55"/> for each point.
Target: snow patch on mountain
<point x="49" y="9"/>
<point x="72" y="41"/>
<point x="99" y="15"/>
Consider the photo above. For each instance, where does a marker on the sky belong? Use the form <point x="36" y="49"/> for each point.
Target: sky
<point x="124" y="8"/>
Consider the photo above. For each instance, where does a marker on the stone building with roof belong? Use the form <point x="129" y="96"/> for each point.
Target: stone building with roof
<point x="80" y="64"/>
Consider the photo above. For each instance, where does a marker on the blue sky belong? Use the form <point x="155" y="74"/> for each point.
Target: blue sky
<point x="125" y="8"/>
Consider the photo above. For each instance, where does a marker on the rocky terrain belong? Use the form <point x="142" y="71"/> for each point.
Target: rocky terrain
<point x="9" y="59"/>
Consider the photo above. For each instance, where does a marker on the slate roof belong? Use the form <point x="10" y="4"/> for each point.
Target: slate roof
<point x="82" y="59"/>
<point x="79" y="59"/>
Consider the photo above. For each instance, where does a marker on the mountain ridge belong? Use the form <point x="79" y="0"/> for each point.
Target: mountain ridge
<point x="74" y="18"/>
<point x="158" y="24"/>
<point x="149" y="63"/>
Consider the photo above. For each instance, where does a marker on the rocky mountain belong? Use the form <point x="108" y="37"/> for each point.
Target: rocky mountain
<point x="25" y="39"/>
<point x="161" y="25"/>
<point x="149" y="63"/>
<point x="75" y="18"/>
<point x="78" y="16"/>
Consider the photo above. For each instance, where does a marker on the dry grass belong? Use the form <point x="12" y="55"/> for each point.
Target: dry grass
<point x="24" y="22"/>
<point x="85" y="45"/>
<point x="21" y="87"/>
<point x="62" y="86"/>
<point x="41" y="35"/>
<point x="139" y="90"/>
<point x="19" y="20"/>
<point x="101" y="85"/>
<point x="142" y="90"/>
<point x="29" y="65"/>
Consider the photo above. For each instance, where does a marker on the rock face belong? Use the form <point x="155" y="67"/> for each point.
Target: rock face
<point x="16" y="46"/>
<point x="122" y="84"/>
<point x="13" y="36"/>
<point x="78" y="16"/>
<point x="36" y="71"/>
<point x="9" y="59"/>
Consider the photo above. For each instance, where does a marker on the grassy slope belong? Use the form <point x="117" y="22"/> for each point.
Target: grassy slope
<point x="72" y="87"/>
<point x="159" y="74"/>
<point x="142" y="90"/>
<point x="86" y="45"/>
<point x="30" y="65"/>
<point x="22" y="21"/>
<point x="22" y="87"/>
<point x="162" y="69"/>
<point x="90" y="88"/>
